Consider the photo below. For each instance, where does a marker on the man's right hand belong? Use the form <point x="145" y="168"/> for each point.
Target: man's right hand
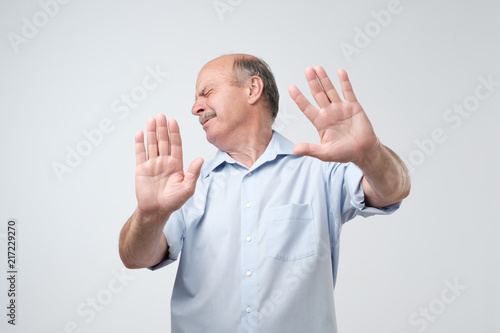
<point x="161" y="188"/>
<point x="160" y="183"/>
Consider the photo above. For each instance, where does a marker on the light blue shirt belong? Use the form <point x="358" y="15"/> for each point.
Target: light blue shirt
<point x="260" y="245"/>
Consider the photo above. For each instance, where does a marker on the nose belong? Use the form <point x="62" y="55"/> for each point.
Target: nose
<point x="198" y="108"/>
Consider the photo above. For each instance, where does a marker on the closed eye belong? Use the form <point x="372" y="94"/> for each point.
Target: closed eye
<point x="204" y="92"/>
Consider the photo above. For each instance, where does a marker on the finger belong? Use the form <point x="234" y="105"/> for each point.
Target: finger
<point x="175" y="139"/>
<point x="151" y="137"/>
<point x="192" y="174"/>
<point x="140" y="151"/>
<point x="327" y="84"/>
<point x="316" y="89"/>
<point x="309" y="149"/>
<point x="163" y="140"/>
<point x="346" y="86"/>
<point x="310" y="111"/>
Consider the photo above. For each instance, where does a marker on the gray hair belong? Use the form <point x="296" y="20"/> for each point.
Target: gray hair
<point x="245" y="67"/>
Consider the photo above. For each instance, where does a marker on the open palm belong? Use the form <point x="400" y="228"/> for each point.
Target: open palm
<point x="161" y="185"/>
<point x="344" y="129"/>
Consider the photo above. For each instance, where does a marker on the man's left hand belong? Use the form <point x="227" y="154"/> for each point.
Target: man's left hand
<point x="348" y="136"/>
<point x="345" y="131"/>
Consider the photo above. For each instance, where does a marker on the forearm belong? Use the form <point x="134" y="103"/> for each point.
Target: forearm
<point x="386" y="179"/>
<point x="142" y="242"/>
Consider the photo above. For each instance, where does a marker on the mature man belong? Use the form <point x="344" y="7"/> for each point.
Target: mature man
<point x="259" y="237"/>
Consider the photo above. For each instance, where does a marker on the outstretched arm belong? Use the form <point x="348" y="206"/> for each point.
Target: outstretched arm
<point x="161" y="188"/>
<point x="348" y="136"/>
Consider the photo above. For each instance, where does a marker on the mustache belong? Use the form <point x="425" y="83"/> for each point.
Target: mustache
<point x="205" y="116"/>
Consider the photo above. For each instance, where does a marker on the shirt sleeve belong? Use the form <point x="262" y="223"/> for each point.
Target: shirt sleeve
<point x="174" y="233"/>
<point x="347" y="195"/>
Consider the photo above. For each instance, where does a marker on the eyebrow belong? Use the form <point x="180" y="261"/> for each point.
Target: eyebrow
<point x="202" y="91"/>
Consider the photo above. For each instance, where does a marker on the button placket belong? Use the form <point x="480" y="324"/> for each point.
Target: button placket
<point x="249" y="250"/>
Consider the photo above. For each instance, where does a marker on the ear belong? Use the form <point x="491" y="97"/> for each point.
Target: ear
<point x="255" y="87"/>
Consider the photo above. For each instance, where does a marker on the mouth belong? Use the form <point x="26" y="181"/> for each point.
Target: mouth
<point x="204" y="118"/>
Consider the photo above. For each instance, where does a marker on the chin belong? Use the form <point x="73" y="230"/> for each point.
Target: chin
<point x="211" y="140"/>
<point x="210" y="137"/>
<point x="217" y="141"/>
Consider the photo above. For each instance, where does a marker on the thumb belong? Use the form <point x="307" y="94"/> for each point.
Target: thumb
<point x="309" y="149"/>
<point x="192" y="173"/>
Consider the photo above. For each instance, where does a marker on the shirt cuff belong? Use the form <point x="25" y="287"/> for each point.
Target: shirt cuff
<point x="354" y="177"/>
<point x="166" y="261"/>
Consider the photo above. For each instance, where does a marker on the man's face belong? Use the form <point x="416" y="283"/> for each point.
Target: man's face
<point x="220" y="106"/>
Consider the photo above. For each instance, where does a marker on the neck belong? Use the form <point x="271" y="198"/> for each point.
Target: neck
<point x="250" y="146"/>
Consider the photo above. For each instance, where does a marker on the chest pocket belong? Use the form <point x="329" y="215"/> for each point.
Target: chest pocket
<point x="291" y="232"/>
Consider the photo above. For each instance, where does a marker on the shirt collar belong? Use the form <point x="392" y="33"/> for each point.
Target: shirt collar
<point x="279" y="145"/>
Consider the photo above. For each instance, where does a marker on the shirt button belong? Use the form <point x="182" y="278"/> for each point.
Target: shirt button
<point x="249" y="174"/>
<point x="248" y="238"/>
<point x="248" y="205"/>
<point x="248" y="273"/>
<point x="248" y="309"/>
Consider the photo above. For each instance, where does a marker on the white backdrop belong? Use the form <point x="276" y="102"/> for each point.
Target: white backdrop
<point x="78" y="78"/>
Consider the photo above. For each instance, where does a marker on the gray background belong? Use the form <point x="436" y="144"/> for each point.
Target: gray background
<point x="69" y="75"/>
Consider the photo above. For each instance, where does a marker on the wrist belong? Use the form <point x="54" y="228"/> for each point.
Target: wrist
<point x="371" y="156"/>
<point x="145" y="217"/>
